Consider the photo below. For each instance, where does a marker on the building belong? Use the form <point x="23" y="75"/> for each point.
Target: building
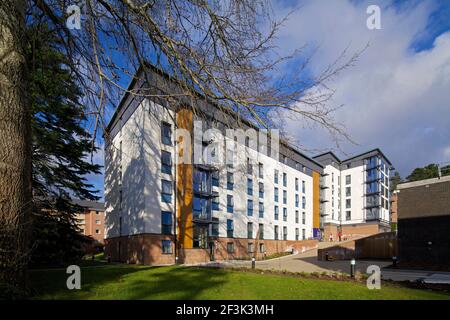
<point x="424" y="223"/>
<point x="355" y="194"/>
<point x="160" y="210"/>
<point x="91" y="221"/>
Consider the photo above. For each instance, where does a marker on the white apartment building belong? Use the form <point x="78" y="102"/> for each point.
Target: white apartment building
<point x="159" y="211"/>
<point x="355" y="194"/>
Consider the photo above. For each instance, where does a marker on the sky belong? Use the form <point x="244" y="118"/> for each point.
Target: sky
<point x="396" y="97"/>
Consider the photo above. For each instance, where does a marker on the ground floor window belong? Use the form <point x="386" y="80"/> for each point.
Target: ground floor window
<point x="230" y="247"/>
<point x="166" y="247"/>
<point x="200" y="236"/>
<point x="251" y="247"/>
<point x="262" y="248"/>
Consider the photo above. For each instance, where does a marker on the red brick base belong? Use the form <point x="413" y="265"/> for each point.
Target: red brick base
<point x="146" y="249"/>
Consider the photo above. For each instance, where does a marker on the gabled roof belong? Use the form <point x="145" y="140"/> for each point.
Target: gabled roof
<point x="330" y="153"/>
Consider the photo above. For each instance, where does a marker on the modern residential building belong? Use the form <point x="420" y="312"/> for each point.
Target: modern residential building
<point x="354" y="194"/>
<point x="424" y="223"/>
<point x="160" y="210"/>
<point x="91" y="221"/>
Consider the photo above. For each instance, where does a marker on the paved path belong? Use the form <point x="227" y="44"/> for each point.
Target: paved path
<point x="307" y="262"/>
<point x="431" y="277"/>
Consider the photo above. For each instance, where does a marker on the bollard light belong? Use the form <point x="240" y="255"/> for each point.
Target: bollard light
<point x="394" y="261"/>
<point x="352" y="268"/>
<point x="253" y="263"/>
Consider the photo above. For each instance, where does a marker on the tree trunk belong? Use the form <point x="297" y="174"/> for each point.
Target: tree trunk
<point x="15" y="150"/>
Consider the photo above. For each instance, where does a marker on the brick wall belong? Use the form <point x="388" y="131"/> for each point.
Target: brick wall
<point x="146" y="249"/>
<point x="426" y="200"/>
<point x="353" y="231"/>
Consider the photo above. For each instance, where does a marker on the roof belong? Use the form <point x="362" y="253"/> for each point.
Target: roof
<point x="361" y="155"/>
<point x="325" y="153"/>
<point x="91" y="205"/>
<point x="406" y="185"/>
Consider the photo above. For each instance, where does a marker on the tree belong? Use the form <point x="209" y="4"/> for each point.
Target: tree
<point x="395" y="180"/>
<point x="61" y="145"/>
<point x="15" y="149"/>
<point x="428" y="172"/>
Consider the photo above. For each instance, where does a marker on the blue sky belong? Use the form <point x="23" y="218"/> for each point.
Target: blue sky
<point x="397" y="96"/>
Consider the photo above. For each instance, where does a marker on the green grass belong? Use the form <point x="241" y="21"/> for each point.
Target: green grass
<point x="141" y="282"/>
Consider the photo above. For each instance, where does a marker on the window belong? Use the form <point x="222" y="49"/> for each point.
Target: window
<point x="275" y="177"/>
<point x="230" y="247"/>
<point x="166" y="222"/>
<point x="166" y="133"/>
<point x="97" y="212"/>
<point x="284" y="197"/>
<point x="285" y="233"/>
<point x="348" y="191"/>
<point x="215" y="179"/>
<point x="249" y="166"/>
<point x="276" y="232"/>
<point x="348" y="179"/>
<point x="261" y="190"/>
<point x="250" y="207"/>
<point x="297" y="234"/>
<point x="230" y="203"/>
<point x="303" y="218"/>
<point x="166" y="192"/>
<point x="229" y="228"/>
<point x="250" y="187"/>
<point x="261" y="231"/>
<point x="296" y="184"/>
<point x="247" y="141"/>
<point x="284" y="214"/>
<point x="348" y="215"/>
<point x="303" y="234"/>
<point x="230" y="181"/>
<point x="97" y="231"/>
<point x="303" y="202"/>
<point x="251" y="247"/>
<point x="297" y="218"/>
<point x="215" y="227"/>
<point x="215" y="204"/>
<point x="276" y="194"/>
<point x="348" y="203"/>
<point x="297" y="200"/>
<point x="261" y="210"/>
<point x="276" y="212"/>
<point x="166" y="162"/>
<point x="303" y="186"/>
<point x="97" y="222"/>
<point x="250" y="230"/>
<point x="262" y="248"/>
<point x="284" y="179"/>
<point x="261" y="170"/>
<point x="166" y="246"/>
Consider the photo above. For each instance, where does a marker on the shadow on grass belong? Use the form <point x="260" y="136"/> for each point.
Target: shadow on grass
<point x="176" y="284"/>
<point x="128" y="282"/>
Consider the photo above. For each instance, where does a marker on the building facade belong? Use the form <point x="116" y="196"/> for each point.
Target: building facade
<point x="179" y="187"/>
<point x="160" y="210"/>
<point x="355" y="195"/>
<point x="423" y="224"/>
<point x="91" y="220"/>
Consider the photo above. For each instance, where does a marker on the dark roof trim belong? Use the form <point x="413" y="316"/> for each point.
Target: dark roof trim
<point x="328" y="152"/>
<point x="377" y="150"/>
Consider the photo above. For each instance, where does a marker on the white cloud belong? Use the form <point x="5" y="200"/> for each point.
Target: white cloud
<point x="394" y="98"/>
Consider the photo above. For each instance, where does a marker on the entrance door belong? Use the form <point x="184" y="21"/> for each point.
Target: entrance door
<point x="211" y="251"/>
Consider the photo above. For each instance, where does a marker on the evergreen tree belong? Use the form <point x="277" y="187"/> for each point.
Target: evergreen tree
<point x="61" y="145"/>
<point x="428" y="172"/>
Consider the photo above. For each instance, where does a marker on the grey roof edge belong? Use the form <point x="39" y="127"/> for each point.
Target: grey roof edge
<point x="91" y="205"/>
<point x="377" y="150"/>
<point x="412" y="184"/>
<point x="167" y="76"/>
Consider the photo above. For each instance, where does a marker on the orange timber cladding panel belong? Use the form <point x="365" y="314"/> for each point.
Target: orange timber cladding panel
<point x="316" y="200"/>
<point x="184" y="188"/>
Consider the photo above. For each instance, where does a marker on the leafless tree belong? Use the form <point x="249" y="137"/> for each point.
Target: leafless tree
<point x="224" y="51"/>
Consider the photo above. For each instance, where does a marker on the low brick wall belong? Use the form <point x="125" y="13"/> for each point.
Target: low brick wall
<point x="352" y="231"/>
<point x="146" y="249"/>
<point x="379" y="246"/>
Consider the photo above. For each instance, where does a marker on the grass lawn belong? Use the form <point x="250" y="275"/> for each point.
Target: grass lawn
<point x="143" y="282"/>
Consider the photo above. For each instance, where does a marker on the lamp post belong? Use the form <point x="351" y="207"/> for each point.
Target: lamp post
<point x="394" y="261"/>
<point x="253" y="263"/>
<point x="352" y="268"/>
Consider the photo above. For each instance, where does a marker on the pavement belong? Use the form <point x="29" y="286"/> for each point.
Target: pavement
<point x="307" y="262"/>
